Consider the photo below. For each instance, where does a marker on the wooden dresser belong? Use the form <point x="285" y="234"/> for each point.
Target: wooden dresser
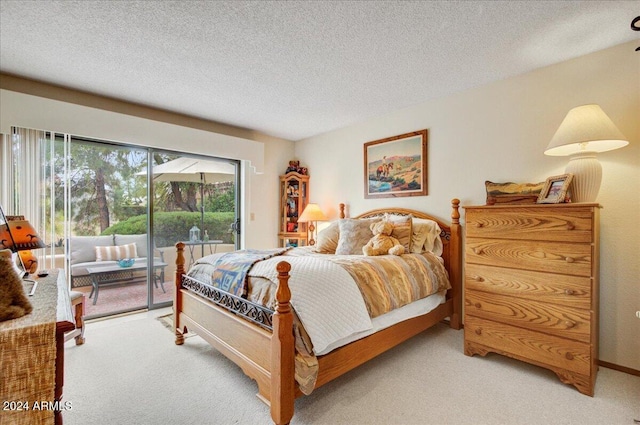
<point x="531" y="286"/>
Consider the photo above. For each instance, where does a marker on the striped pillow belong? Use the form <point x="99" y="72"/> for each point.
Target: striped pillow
<point x="114" y="253"/>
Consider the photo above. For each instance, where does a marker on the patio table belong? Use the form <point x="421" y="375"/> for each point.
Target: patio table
<point x="192" y="244"/>
<point x="103" y="276"/>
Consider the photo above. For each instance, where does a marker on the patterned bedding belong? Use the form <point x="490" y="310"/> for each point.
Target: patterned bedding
<point x="335" y="296"/>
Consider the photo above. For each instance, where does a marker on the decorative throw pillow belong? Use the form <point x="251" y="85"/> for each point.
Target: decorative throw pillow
<point x="113" y="253"/>
<point x="512" y="193"/>
<point x="426" y="236"/>
<point x="139" y="240"/>
<point x="402" y="229"/>
<point x="420" y="233"/>
<point x="354" y="234"/>
<point x="328" y="238"/>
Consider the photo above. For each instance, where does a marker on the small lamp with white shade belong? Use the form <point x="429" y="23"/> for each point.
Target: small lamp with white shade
<point x="312" y="214"/>
<point x="585" y="131"/>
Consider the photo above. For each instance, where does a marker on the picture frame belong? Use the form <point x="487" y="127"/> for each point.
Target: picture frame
<point x="556" y="190"/>
<point x="396" y="166"/>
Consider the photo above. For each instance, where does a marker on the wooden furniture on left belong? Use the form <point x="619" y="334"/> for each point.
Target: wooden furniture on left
<point x="32" y="355"/>
<point x="294" y="196"/>
<point x="77" y="305"/>
<point x="267" y="356"/>
<point x="531" y="287"/>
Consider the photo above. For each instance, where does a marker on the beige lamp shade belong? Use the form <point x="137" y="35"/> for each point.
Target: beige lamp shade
<point x="585" y="131"/>
<point x="312" y="212"/>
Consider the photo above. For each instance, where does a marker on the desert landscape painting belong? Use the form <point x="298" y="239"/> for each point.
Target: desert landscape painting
<point x="396" y="166"/>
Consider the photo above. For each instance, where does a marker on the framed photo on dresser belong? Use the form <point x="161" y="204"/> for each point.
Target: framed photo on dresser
<point x="556" y="190"/>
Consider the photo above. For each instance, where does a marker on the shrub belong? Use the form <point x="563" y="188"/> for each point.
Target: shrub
<point x="172" y="227"/>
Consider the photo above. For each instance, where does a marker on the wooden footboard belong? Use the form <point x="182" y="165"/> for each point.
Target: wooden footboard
<point x="267" y="356"/>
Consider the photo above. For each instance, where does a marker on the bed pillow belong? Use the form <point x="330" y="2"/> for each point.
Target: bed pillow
<point x="426" y="237"/>
<point x="328" y="238"/>
<point x="402" y="229"/>
<point x="354" y="234"/>
<point x="118" y="252"/>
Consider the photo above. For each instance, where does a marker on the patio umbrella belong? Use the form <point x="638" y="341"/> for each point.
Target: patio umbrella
<point x="195" y="170"/>
<point x="185" y="169"/>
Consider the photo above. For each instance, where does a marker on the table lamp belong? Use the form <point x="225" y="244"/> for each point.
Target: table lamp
<point x="311" y="214"/>
<point x="18" y="236"/>
<point x="585" y="131"/>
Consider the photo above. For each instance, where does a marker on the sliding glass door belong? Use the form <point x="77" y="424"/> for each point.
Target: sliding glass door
<point x="194" y="201"/>
<point x="99" y="203"/>
<point x="107" y="224"/>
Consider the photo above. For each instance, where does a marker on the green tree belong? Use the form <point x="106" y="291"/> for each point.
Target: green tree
<point x="99" y="184"/>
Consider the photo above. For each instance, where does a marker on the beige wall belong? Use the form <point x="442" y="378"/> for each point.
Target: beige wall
<point x="498" y="132"/>
<point x="61" y="110"/>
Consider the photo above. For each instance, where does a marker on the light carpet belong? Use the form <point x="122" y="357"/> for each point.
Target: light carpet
<point x="129" y="371"/>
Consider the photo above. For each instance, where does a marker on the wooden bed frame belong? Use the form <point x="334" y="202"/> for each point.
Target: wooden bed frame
<point x="267" y="356"/>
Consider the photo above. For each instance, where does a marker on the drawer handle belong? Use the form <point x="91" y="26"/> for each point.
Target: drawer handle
<point x="569" y="356"/>
<point x="569" y="324"/>
<point x="570" y="226"/>
<point x="478" y="306"/>
<point x="478" y="279"/>
<point x="569" y="292"/>
<point x="477" y="250"/>
<point x="479" y="225"/>
<point x="478" y="331"/>
<point x="569" y="260"/>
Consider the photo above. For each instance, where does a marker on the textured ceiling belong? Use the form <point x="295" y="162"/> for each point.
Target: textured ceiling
<point x="294" y="69"/>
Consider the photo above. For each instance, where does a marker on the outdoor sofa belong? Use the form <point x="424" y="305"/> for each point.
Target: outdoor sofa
<point x="93" y="251"/>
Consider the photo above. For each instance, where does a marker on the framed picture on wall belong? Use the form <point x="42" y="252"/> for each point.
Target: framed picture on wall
<point x="396" y="166"/>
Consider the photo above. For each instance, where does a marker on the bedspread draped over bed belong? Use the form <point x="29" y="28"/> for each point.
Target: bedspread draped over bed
<point x="388" y="282"/>
<point x="335" y="296"/>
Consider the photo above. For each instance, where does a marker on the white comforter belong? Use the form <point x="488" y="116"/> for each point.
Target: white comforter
<point x="332" y="314"/>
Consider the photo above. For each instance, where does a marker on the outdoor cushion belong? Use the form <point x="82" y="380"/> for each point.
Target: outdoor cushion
<point x="80" y="269"/>
<point x="139" y="240"/>
<point x="118" y="252"/>
<point x="83" y="247"/>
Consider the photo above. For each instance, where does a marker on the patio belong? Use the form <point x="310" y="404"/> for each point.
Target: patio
<point x="122" y="298"/>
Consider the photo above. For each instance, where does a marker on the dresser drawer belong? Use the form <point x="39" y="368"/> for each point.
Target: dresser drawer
<point x="571" y="291"/>
<point x="531" y="346"/>
<point x="553" y="319"/>
<point x="546" y="223"/>
<point x="551" y="257"/>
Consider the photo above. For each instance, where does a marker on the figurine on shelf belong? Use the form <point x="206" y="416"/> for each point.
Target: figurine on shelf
<point x="293" y="210"/>
<point x="294" y="166"/>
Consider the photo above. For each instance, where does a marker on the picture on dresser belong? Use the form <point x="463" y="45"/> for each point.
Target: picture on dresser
<point x="556" y="190"/>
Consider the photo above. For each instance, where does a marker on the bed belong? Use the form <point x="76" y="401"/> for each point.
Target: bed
<point x="263" y="341"/>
